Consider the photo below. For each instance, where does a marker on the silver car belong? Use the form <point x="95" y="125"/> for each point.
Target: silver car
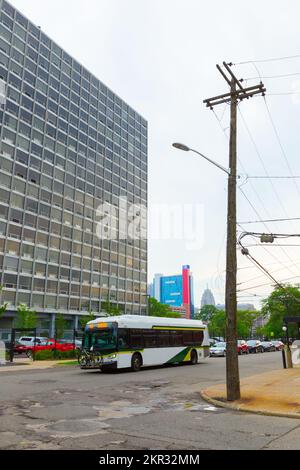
<point x="218" y="349"/>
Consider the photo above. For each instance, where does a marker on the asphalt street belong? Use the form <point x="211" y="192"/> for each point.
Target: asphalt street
<point x="157" y="408"/>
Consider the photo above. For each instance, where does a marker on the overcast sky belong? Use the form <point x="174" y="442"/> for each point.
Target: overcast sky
<point x="160" y="57"/>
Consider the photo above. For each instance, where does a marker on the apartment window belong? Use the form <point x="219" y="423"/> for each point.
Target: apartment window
<point x="11" y="264"/>
<point x="25" y="283"/>
<point x="26" y="266"/>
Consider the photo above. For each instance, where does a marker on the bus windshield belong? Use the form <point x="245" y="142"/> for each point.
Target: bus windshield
<point x="100" y="340"/>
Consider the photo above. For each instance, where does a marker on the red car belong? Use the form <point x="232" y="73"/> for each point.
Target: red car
<point x="279" y="345"/>
<point x="50" y="344"/>
<point x="242" y="347"/>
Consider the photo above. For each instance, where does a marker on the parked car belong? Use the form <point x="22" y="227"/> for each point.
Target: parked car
<point x="242" y="347"/>
<point x="218" y="349"/>
<point x="49" y="344"/>
<point x="279" y="345"/>
<point x="255" y="346"/>
<point x="268" y="346"/>
<point x="29" y="340"/>
<point x="78" y="342"/>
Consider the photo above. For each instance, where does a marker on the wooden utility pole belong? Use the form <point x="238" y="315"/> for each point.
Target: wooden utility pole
<point x="237" y="94"/>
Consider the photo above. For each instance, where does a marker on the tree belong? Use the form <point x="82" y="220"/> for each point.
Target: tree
<point x="280" y="303"/>
<point x="110" y="309"/>
<point x="245" y="319"/>
<point x="207" y="312"/>
<point x="86" y="318"/>
<point x="26" y="318"/>
<point x="157" y="309"/>
<point x="60" y="325"/>
<point x="3" y="307"/>
<point x="217" y="324"/>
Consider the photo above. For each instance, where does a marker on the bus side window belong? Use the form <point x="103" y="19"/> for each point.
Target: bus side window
<point x="136" y="339"/>
<point x="198" y="337"/>
<point x="123" y="339"/>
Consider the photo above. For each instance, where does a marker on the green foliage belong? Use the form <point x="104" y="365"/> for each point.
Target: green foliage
<point x="217" y="324"/>
<point x="281" y="302"/>
<point x="60" y="325"/>
<point x="3" y="307"/>
<point x="86" y="318"/>
<point x="206" y="313"/>
<point x="26" y="318"/>
<point x="157" y="309"/>
<point x="245" y="319"/>
<point x="48" y="355"/>
<point x="110" y="309"/>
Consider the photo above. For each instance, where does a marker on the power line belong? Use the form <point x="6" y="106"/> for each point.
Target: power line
<point x="274" y="76"/>
<point x="268" y="283"/>
<point x="266" y="172"/>
<point x="269" y="220"/>
<point x="272" y="177"/>
<point x="280" y="144"/>
<point x="257" y="195"/>
<point x="274" y="245"/>
<point x="274" y="59"/>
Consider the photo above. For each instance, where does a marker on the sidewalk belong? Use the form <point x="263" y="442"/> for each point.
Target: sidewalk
<point x="26" y="364"/>
<point x="273" y="393"/>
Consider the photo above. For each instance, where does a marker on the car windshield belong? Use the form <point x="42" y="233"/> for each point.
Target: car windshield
<point x="219" y="345"/>
<point x="251" y="343"/>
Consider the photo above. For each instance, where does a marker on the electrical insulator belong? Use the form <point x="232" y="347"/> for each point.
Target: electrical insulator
<point x="267" y="238"/>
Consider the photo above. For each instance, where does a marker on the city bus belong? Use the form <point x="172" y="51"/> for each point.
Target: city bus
<point x="134" y="341"/>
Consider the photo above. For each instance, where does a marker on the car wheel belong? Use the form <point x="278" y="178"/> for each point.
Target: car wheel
<point x="194" y="357"/>
<point x="136" y="362"/>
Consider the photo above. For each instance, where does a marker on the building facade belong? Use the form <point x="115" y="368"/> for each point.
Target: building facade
<point x="68" y="146"/>
<point x="176" y="291"/>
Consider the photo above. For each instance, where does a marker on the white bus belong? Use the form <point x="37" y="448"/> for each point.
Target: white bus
<point x="134" y="341"/>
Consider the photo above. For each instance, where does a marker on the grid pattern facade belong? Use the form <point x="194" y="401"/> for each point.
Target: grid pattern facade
<point x="68" y="144"/>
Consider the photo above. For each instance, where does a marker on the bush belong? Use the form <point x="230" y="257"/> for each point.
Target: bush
<point x="44" y="355"/>
<point x="54" y="355"/>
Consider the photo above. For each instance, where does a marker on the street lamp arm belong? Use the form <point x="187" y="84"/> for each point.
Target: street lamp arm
<point x="211" y="161"/>
<point x="185" y="148"/>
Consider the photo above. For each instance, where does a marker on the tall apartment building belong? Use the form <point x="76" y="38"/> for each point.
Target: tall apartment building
<point x="68" y="145"/>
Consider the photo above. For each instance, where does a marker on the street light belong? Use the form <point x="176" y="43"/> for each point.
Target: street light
<point x="232" y="365"/>
<point x="185" y="148"/>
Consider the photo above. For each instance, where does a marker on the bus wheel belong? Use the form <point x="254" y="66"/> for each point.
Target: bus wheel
<point x="194" y="357"/>
<point x="136" y="362"/>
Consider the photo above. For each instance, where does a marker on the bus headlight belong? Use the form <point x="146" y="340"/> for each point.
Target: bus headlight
<point x="112" y="356"/>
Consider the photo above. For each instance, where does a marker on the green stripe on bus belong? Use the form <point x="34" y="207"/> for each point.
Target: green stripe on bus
<point x="179" y="357"/>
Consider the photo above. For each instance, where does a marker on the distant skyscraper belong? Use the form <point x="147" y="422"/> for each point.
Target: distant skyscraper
<point x="207" y="298"/>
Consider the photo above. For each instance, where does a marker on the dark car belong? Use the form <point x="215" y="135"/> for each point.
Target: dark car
<point x="268" y="346"/>
<point x="255" y="346"/>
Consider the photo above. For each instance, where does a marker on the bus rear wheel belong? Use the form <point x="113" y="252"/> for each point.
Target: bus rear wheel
<point x="136" y="362"/>
<point x="194" y="357"/>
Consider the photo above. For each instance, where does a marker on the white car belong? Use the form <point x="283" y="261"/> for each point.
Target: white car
<point x="218" y="349"/>
<point x="29" y="340"/>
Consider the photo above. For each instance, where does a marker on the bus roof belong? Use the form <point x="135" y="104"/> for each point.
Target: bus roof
<point x="140" y="321"/>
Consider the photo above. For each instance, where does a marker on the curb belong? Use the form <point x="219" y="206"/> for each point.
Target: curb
<point x="221" y="404"/>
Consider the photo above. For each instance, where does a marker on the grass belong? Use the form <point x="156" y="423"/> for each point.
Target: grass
<point x="67" y="363"/>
